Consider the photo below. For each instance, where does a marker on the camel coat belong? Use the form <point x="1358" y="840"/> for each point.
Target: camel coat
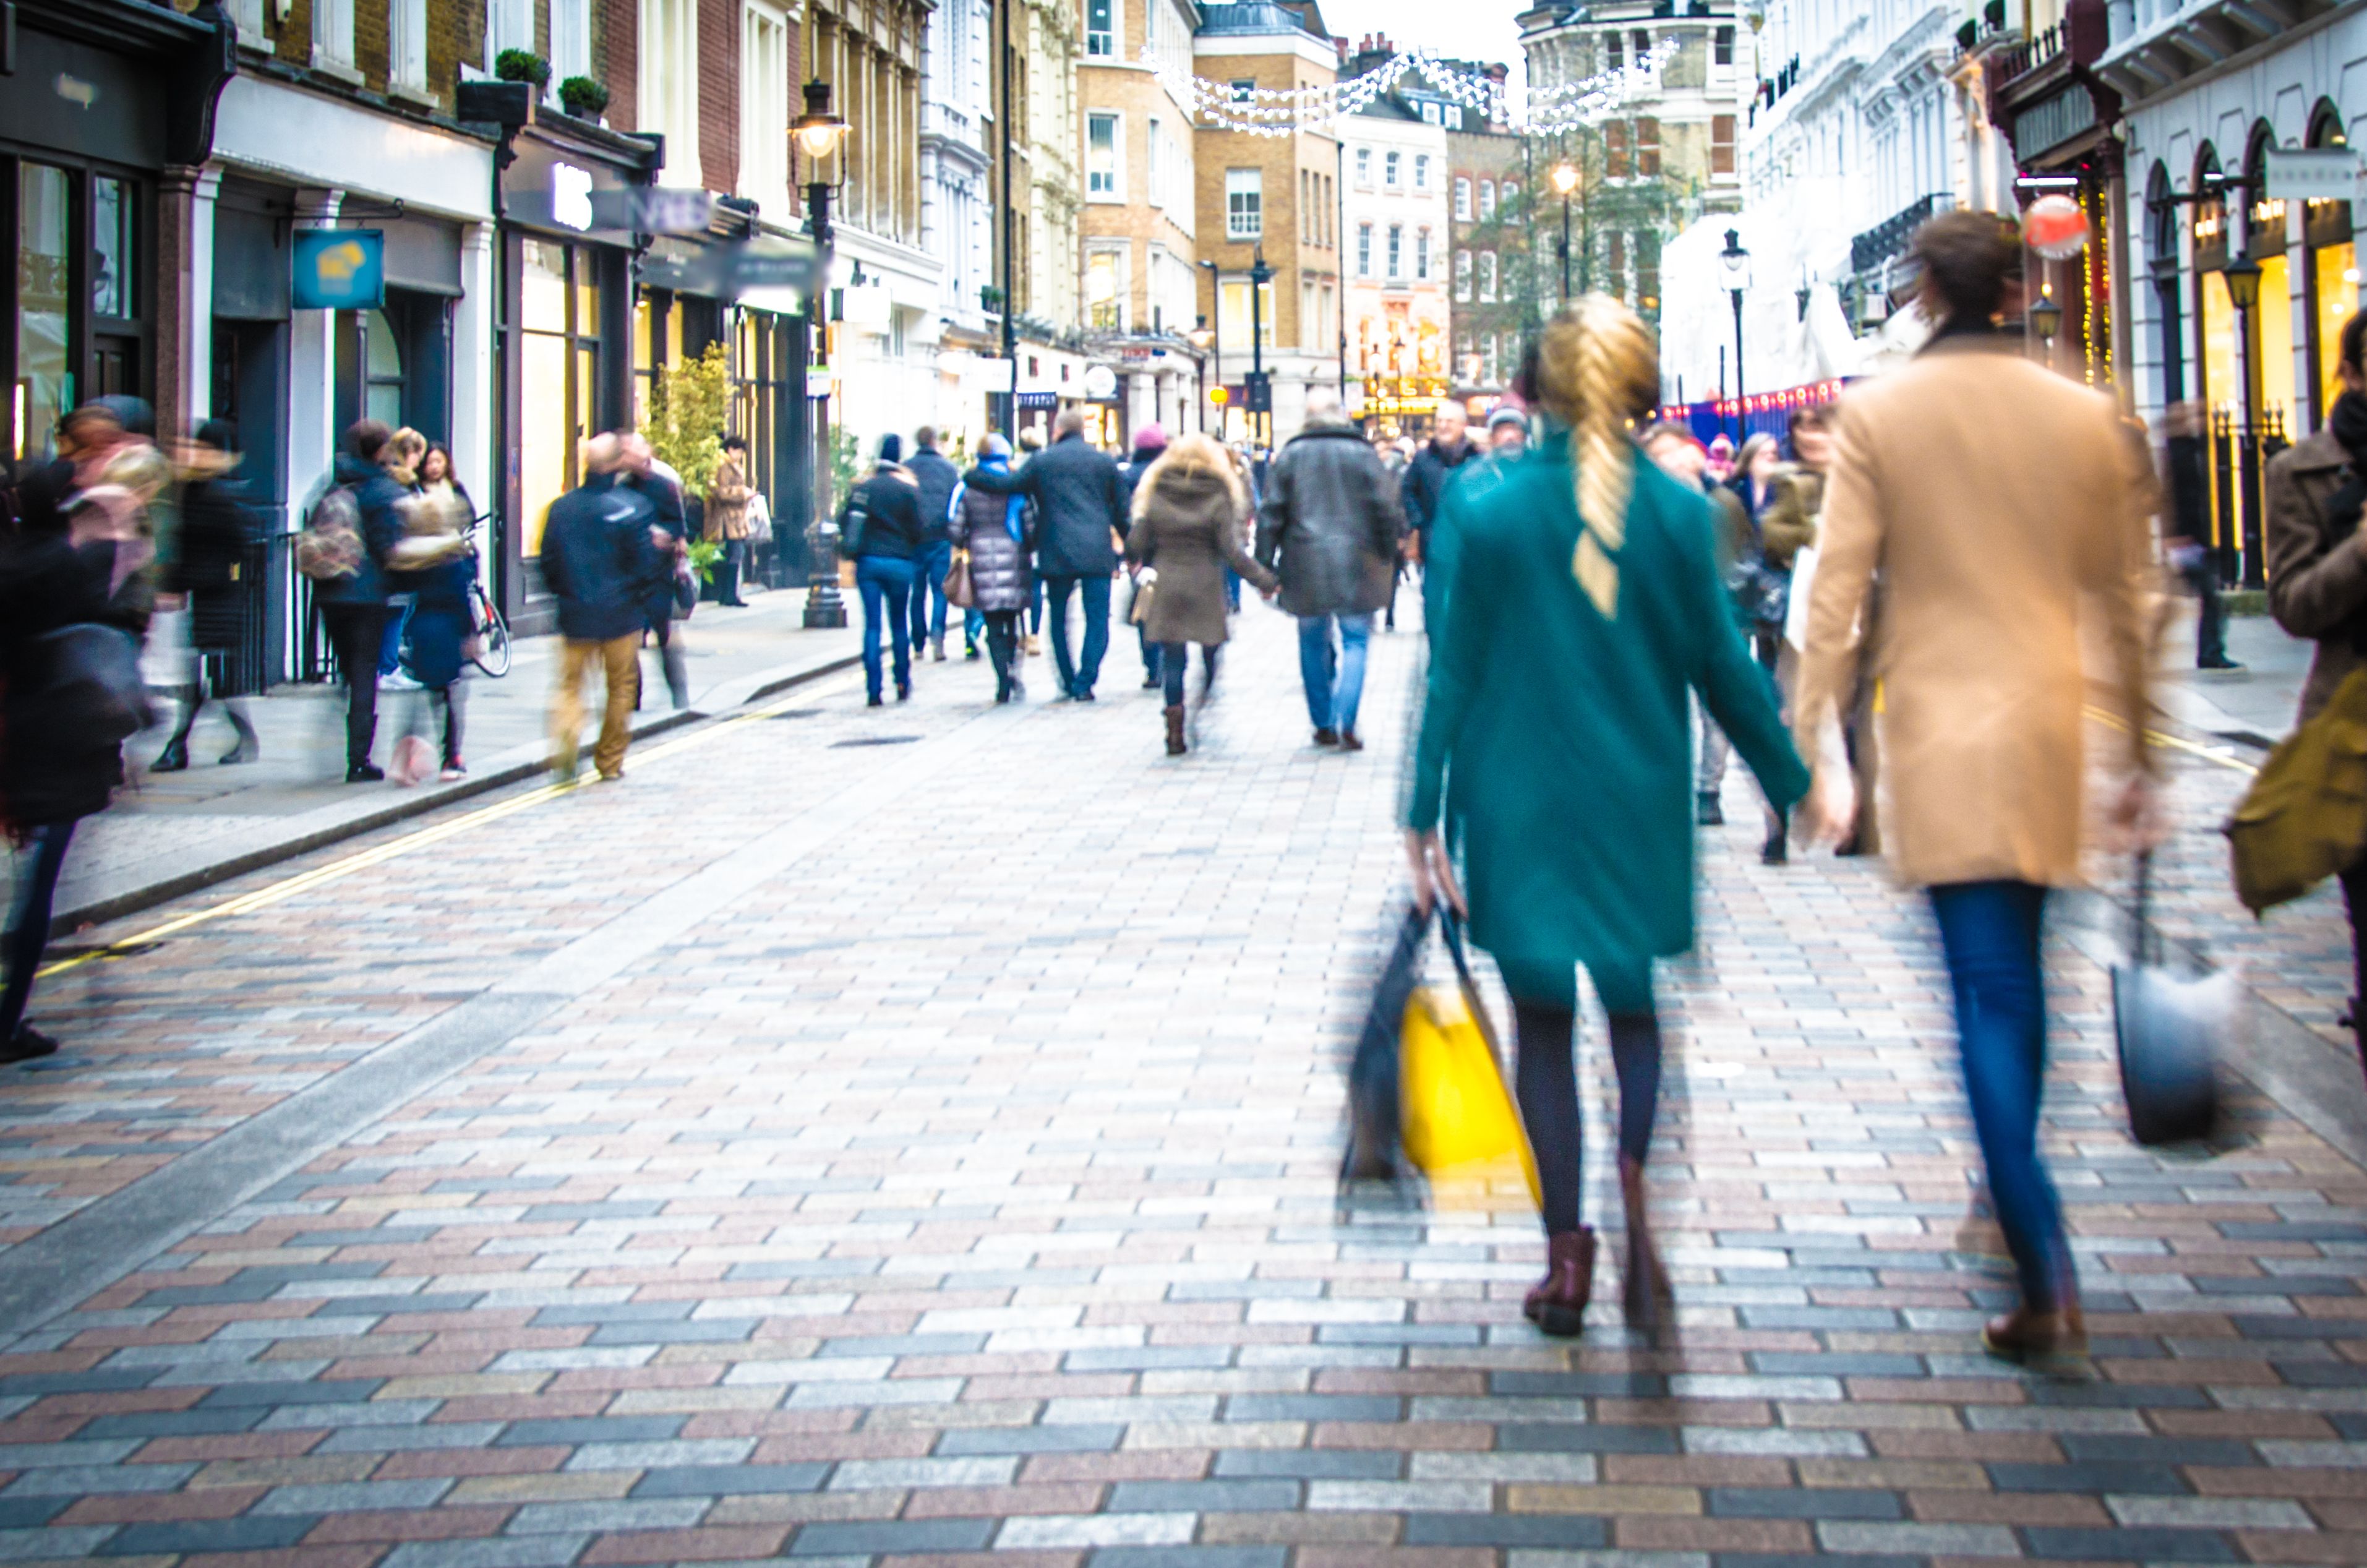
<point x="1996" y="499"/>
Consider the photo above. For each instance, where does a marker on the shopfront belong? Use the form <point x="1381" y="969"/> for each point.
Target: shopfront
<point x="2331" y="259"/>
<point x="98" y="100"/>
<point x="567" y="327"/>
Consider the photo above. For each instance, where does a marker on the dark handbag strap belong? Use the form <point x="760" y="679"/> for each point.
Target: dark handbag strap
<point x="1450" y="927"/>
<point x="2143" y="947"/>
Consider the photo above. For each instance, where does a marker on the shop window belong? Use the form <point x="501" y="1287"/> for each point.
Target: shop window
<point x="44" y="385"/>
<point x="114" y="255"/>
<point x="559" y="374"/>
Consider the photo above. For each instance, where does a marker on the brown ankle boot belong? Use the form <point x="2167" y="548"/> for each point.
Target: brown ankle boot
<point x="1644" y="1284"/>
<point x="1176" y="747"/>
<point x="2039" y="1334"/>
<point x="1557" y="1303"/>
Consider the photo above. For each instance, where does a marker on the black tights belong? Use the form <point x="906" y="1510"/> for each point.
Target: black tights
<point x="1547" y="1078"/>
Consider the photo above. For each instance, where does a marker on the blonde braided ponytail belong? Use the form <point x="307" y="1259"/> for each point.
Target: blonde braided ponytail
<point x="1597" y="369"/>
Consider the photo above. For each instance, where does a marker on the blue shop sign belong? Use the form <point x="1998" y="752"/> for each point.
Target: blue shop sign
<point x="340" y="270"/>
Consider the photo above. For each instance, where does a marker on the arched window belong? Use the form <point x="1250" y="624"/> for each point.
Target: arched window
<point x="2161" y="251"/>
<point x="2332" y="260"/>
<point x="2269" y="325"/>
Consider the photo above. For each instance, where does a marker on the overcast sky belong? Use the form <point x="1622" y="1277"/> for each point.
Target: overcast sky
<point x="1461" y="29"/>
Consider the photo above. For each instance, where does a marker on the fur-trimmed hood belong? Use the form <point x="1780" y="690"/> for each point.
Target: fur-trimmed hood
<point x="1193" y="470"/>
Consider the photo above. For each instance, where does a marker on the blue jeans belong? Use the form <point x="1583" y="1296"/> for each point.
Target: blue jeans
<point x="929" y="592"/>
<point x="29" y="921"/>
<point x="972" y="624"/>
<point x="1076" y="678"/>
<point x="390" y="647"/>
<point x="1333" y="672"/>
<point x="886" y="584"/>
<point x="1989" y="932"/>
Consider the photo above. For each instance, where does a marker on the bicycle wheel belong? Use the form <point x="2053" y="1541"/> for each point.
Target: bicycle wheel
<point x="492" y="655"/>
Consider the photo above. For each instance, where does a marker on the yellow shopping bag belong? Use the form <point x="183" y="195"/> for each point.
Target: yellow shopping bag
<point x="1460" y="1125"/>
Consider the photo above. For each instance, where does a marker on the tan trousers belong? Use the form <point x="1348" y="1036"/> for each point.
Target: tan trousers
<point x="619" y="660"/>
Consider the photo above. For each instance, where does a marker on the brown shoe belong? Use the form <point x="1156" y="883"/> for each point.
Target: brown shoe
<point x="1644" y="1296"/>
<point x="1557" y="1303"/>
<point x="1176" y="747"/>
<point x="2028" y="1334"/>
<point x="1348" y="741"/>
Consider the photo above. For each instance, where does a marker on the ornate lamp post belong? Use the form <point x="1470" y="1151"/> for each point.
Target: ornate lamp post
<point x="1201" y="337"/>
<point x="1564" y="180"/>
<point x="820" y="133"/>
<point x="1734" y="262"/>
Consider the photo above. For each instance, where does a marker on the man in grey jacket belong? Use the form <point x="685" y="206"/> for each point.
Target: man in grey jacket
<point x="1329" y="526"/>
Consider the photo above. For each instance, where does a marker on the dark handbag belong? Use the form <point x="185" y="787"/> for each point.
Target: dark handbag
<point x="960" y="592"/>
<point x="2167" y="1029"/>
<point x="96" y="695"/>
<point x="1375" y="1149"/>
<point x="854" y="527"/>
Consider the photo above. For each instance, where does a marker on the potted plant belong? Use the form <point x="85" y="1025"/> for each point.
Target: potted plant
<point x="522" y="65"/>
<point x="582" y="98"/>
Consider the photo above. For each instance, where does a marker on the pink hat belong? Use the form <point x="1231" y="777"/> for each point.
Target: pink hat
<point x="1150" y="438"/>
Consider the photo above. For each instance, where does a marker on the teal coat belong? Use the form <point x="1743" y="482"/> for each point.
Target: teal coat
<point x="1559" y="744"/>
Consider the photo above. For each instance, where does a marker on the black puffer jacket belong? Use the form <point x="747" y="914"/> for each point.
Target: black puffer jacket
<point x="1081" y="496"/>
<point x="50" y="770"/>
<point x="1000" y="571"/>
<point x="1330" y="523"/>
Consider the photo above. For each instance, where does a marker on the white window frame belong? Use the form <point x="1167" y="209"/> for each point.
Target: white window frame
<point x="1421" y="171"/>
<point x="1244" y="220"/>
<point x="333" y="37"/>
<point x="1110" y="38"/>
<point x="763" y="107"/>
<point x="667" y="92"/>
<point x="1119" y="255"/>
<point x="1422" y="255"/>
<point x="1487" y="201"/>
<point x="509" y="23"/>
<point x="571" y="43"/>
<point x="1363" y="250"/>
<point x="1109" y="185"/>
<point x="1364" y="168"/>
<point x="1487" y="277"/>
<point x="1391" y="162"/>
<point x="1395" y="252"/>
<point x="1463" y="277"/>
<point x="1463" y="198"/>
<point x="407" y="48"/>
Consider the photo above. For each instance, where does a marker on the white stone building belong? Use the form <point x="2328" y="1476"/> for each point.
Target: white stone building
<point x="1398" y="230"/>
<point x="957" y="210"/>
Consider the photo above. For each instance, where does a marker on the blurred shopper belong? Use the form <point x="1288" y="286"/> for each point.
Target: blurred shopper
<point x="1031" y="443"/>
<point x="1424" y="487"/>
<point x="1079" y="497"/>
<point x="1248" y="484"/>
<point x="637" y="469"/>
<point x="600" y="547"/>
<point x="87" y="438"/>
<point x="209" y="569"/>
<point x="436" y="477"/>
<point x="1187" y="528"/>
<point x="354" y="607"/>
<point x="434" y="563"/>
<point x="1721" y="458"/>
<point x="880" y="521"/>
<point x="1754" y="479"/>
<point x="2317" y="576"/>
<point x="403" y="452"/>
<point x="1678" y="453"/>
<point x="998" y="532"/>
<point x="2189" y="530"/>
<point x="1330" y="528"/>
<point x="1507" y="432"/>
<point x="1994" y="495"/>
<point x="1787" y="527"/>
<point x="66" y="713"/>
<point x="726" y="523"/>
<point x="937" y="478"/>
<point x="1149" y="441"/>
<point x="1555" y="745"/>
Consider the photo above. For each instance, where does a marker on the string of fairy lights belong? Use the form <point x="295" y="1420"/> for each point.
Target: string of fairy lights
<point x="1287" y="111"/>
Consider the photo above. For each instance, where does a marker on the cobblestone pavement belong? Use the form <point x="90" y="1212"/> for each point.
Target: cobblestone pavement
<point x="907" y="1137"/>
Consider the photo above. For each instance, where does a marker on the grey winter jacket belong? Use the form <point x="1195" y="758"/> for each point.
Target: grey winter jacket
<point x="1330" y="523"/>
<point x="1081" y="497"/>
<point x="999" y="570"/>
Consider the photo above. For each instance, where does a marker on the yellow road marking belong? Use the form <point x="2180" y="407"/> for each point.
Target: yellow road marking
<point x="2223" y="755"/>
<point x="419" y="838"/>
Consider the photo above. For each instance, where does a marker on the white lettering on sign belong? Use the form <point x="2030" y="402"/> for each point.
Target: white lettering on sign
<point x="2316" y="173"/>
<point x="571" y="196"/>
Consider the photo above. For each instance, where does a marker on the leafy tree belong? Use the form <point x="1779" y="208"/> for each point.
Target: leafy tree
<point x="687" y="414"/>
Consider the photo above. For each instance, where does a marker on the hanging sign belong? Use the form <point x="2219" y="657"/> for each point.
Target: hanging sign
<point x="338" y="270"/>
<point x="2313" y="174"/>
<point x="650" y="210"/>
<point x="1101" y="382"/>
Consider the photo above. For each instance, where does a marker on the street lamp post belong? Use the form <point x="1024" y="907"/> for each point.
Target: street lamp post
<point x="1260" y="276"/>
<point x="1735" y="263"/>
<point x="1565" y="178"/>
<point x="2243" y="280"/>
<point x="1215" y="336"/>
<point x="1201" y="338"/>
<point x="818" y="132"/>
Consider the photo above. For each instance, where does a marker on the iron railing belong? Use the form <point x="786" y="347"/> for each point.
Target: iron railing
<point x="2239" y="456"/>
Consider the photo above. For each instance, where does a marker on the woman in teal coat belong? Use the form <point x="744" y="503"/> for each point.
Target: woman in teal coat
<point x="1580" y="604"/>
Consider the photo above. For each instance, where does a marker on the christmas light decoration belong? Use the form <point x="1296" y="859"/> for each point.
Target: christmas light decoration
<point x="1287" y="111"/>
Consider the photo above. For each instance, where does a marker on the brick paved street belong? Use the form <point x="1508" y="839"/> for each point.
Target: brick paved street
<point x="907" y="1137"/>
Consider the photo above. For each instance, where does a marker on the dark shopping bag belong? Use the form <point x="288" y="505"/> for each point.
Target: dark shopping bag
<point x="2169" y="1030"/>
<point x="1375" y="1149"/>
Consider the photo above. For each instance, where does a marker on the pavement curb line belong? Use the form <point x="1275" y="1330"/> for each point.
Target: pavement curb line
<point x="114" y="906"/>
